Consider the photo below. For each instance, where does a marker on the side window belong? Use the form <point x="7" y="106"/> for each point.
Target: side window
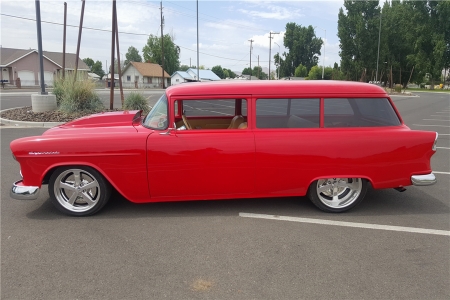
<point x="287" y="113"/>
<point x="359" y="112"/>
<point x="212" y="113"/>
<point x="128" y="78"/>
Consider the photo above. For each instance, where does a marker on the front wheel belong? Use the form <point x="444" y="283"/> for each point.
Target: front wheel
<point x="78" y="191"/>
<point x="337" y="194"/>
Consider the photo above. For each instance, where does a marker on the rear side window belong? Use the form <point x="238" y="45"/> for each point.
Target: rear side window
<point x="359" y="112"/>
<point x="287" y="113"/>
<point x="211" y="108"/>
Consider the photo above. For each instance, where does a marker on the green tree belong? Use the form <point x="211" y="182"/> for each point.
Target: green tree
<point x="89" y="62"/>
<point x="184" y="68"/>
<point x="304" y="48"/>
<point x="116" y="68"/>
<point x="97" y="68"/>
<point x="231" y="74"/>
<point x="430" y="48"/>
<point x="247" y="71"/>
<point x="152" y="52"/>
<point x="132" y="55"/>
<point x="218" y="71"/>
<point x="358" y="37"/>
<point x="301" y="71"/>
<point x="316" y="73"/>
<point x="258" y="72"/>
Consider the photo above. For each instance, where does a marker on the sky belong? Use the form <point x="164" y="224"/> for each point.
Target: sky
<point x="225" y="28"/>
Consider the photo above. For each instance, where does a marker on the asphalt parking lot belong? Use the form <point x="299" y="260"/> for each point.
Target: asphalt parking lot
<point x="392" y="246"/>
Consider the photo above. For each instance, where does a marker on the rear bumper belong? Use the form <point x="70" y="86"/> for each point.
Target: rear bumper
<point x="428" y="179"/>
<point x="22" y="192"/>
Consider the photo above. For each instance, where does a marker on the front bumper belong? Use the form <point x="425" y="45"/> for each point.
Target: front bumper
<point x="428" y="179"/>
<point x="22" y="192"/>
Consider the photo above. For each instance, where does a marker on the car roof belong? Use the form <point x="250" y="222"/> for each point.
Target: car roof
<point x="276" y="87"/>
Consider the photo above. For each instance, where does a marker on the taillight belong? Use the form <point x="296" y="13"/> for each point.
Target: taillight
<point x="435" y="142"/>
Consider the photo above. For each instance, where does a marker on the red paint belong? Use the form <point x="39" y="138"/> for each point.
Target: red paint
<point x="146" y="166"/>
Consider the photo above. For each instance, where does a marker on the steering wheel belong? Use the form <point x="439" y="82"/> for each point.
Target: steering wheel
<point x="185" y="121"/>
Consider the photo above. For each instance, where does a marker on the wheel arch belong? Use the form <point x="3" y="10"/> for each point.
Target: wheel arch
<point x="367" y="178"/>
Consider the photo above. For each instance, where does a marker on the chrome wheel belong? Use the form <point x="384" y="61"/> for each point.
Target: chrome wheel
<point x="337" y="194"/>
<point x="78" y="191"/>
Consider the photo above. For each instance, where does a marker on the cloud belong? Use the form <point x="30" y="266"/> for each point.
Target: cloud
<point x="269" y="11"/>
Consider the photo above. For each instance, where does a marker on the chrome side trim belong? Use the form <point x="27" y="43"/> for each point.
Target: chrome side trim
<point x="419" y="180"/>
<point x="21" y="192"/>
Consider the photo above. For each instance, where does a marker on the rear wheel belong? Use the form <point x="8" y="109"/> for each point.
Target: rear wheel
<point x="337" y="194"/>
<point x="78" y="191"/>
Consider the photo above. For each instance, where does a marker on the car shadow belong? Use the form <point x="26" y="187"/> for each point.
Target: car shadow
<point x="377" y="202"/>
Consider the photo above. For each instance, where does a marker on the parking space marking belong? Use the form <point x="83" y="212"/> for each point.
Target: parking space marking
<point x="436" y="120"/>
<point x="432" y="125"/>
<point x="437" y="115"/>
<point x="436" y="172"/>
<point x="442" y="148"/>
<point x="347" y="224"/>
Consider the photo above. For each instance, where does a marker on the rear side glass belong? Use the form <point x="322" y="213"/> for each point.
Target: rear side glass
<point x="287" y="113"/>
<point x="359" y="112"/>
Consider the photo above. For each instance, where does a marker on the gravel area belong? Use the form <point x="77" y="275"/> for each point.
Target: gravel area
<point x="26" y="114"/>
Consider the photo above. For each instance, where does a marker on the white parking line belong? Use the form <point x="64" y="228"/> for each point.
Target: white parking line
<point x="442" y="148"/>
<point x="436" y="172"/>
<point x="436" y="120"/>
<point x="346" y="224"/>
<point x="437" y="115"/>
<point x="432" y="125"/>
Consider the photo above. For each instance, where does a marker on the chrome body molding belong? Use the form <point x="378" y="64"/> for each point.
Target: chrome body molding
<point x="21" y="192"/>
<point x="428" y="179"/>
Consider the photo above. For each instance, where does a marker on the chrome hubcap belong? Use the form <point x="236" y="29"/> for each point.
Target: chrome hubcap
<point x="339" y="192"/>
<point x="77" y="190"/>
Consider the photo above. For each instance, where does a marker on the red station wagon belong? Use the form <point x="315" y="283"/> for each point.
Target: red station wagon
<point x="223" y="140"/>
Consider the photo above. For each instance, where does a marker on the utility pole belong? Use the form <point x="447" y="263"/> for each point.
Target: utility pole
<point x="162" y="45"/>
<point x="39" y="38"/>
<point x="113" y="41"/>
<point x="64" y="42"/>
<point x="378" y="55"/>
<point x="258" y="66"/>
<point x="118" y="61"/>
<point x="270" y="47"/>
<point x="251" y="42"/>
<point x="79" y="39"/>
<point x="198" y="56"/>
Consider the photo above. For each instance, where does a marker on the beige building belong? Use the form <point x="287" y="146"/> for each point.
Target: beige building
<point x="23" y="65"/>
<point x="144" y="75"/>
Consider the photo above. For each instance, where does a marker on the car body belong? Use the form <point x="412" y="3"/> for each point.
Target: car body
<point x="224" y="140"/>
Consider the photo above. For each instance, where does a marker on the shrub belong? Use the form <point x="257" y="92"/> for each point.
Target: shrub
<point x="76" y="95"/>
<point x="398" y="88"/>
<point x="136" y="101"/>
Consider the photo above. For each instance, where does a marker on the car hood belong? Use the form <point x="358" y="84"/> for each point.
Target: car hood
<point x="101" y="122"/>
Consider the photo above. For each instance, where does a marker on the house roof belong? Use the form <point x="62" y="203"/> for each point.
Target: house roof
<point x="204" y="74"/>
<point x="10" y="55"/>
<point x="147" y="69"/>
<point x="184" y="75"/>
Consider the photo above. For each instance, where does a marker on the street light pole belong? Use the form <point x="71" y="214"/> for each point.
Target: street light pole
<point x="270" y="47"/>
<point x="323" y="62"/>
<point x="278" y="75"/>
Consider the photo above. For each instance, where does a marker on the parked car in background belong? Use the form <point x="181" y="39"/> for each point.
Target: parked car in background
<point x="324" y="139"/>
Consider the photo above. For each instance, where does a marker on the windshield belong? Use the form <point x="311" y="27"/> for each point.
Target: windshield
<point x="157" y="117"/>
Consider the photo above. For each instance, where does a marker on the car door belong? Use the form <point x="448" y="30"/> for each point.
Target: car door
<point x="201" y="163"/>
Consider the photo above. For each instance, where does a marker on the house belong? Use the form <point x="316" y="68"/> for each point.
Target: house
<point x="23" y="65"/>
<point x="93" y="76"/>
<point x="191" y="75"/>
<point x="143" y="75"/>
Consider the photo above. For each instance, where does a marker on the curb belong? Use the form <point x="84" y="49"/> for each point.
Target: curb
<point x="13" y="123"/>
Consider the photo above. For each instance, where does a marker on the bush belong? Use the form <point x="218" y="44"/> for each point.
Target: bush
<point x="76" y="95"/>
<point x="136" y="101"/>
<point x="398" y="88"/>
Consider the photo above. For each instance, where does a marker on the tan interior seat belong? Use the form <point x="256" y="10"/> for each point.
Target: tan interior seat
<point x="236" y="121"/>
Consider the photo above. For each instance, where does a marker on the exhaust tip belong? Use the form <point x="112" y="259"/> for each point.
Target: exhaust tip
<point x="400" y="189"/>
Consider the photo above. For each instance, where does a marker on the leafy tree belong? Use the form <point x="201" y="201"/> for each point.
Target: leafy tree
<point x="116" y="68"/>
<point x="132" y="55"/>
<point x="301" y="71"/>
<point x="316" y="73"/>
<point x="247" y="71"/>
<point x="89" y="62"/>
<point x="152" y="52"/>
<point x="97" y="68"/>
<point x="226" y="74"/>
<point x="218" y="71"/>
<point x="358" y="35"/>
<point x="304" y="48"/>
<point x="184" y="68"/>
<point x="258" y="72"/>
<point x="231" y="74"/>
